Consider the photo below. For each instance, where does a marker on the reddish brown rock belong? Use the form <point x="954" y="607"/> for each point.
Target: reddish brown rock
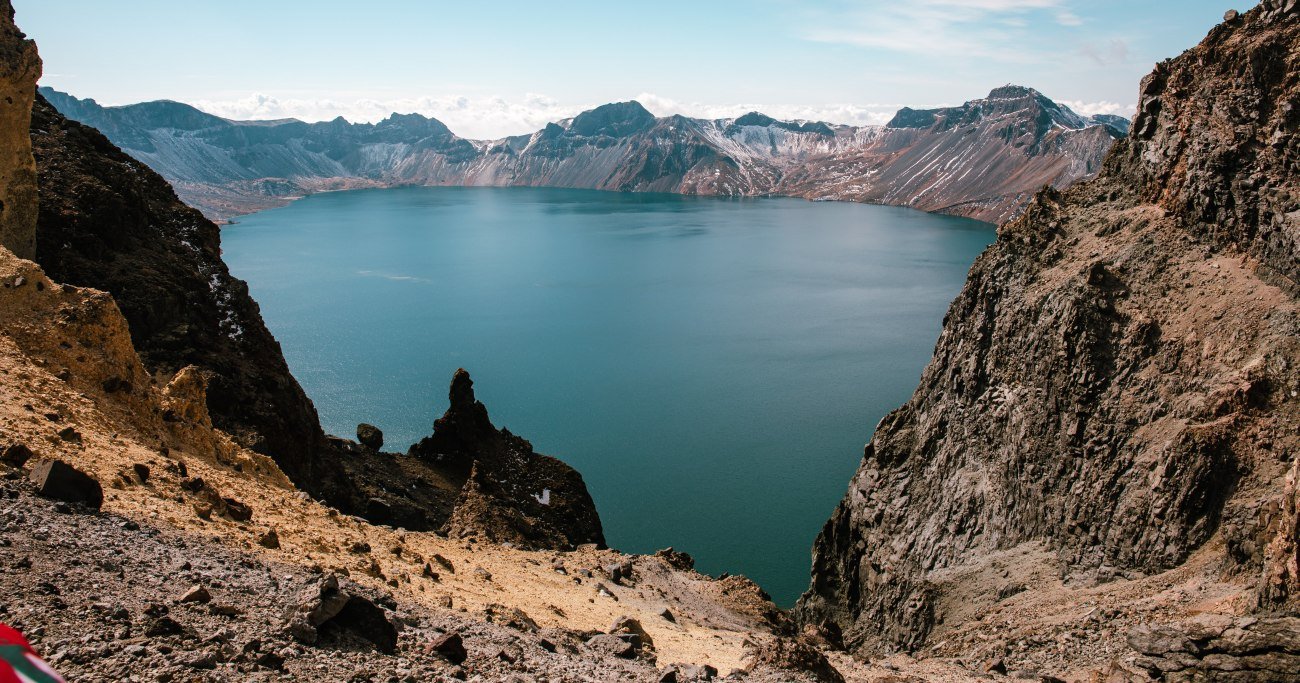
<point x="20" y="68"/>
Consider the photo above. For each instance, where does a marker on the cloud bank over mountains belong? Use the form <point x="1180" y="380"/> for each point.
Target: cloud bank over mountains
<point x="495" y="117"/>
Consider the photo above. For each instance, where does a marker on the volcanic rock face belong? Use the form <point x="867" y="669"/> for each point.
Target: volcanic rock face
<point x="109" y="222"/>
<point x="20" y="68"/>
<point x="510" y="494"/>
<point x="1117" y="381"/>
<point x="983" y="159"/>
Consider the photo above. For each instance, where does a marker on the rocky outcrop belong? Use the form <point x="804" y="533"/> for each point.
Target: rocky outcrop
<point x="20" y="68"/>
<point x="1222" y="161"/>
<point x="1216" y="648"/>
<point x="1117" y="380"/>
<point x="794" y="659"/>
<point x="983" y="159"/>
<point x="510" y="494"/>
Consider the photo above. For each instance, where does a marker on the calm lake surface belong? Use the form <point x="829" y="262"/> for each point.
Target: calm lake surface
<point x="713" y="367"/>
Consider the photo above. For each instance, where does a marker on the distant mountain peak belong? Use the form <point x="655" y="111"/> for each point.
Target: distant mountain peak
<point x="761" y="120"/>
<point x="617" y="119"/>
<point x="1012" y="91"/>
<point x="1001" y="101"/>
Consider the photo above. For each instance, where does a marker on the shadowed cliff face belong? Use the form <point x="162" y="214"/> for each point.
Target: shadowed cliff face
<point x="995" y="153"/>
<point x="20" y="68"/>
<point x="1117" y="381"/>
<point x="108" y="222"/>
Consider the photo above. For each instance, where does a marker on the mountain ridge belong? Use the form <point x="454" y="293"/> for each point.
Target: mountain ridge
<point x="227" y="167"/>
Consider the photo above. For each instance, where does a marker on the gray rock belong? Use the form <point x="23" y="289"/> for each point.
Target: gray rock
<point x="608" y="645"/>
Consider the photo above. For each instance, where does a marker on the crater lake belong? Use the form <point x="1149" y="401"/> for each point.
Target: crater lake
<point x="713" y="367"/>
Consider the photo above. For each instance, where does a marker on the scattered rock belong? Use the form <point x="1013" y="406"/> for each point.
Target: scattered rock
<point x="627" y="626"/>
<point x="511" y="617"/>
<point x="318" y="606"/>
<point x="607" y="645"/>
<point x="368" y="620"/>
<point x="237" y="510"/>
<point x="58" y="479"/>
<point x="141" y="472"/>
<point x="70" y="435"/>
<point x="15" y="455"/>
<point x="676" y="560"/>
<point x="370" y="436"/>
<point x="269" y="539"/>
<point x="686" y="673"/>
<point x="270" y="660"/>
<point x="793" y="655"/>
<point x="450" y="647"/>
<point x="619" y="572"/>
<point x="329" y="604"/>
<point x="197" y="594"/>
<point x="163" y="626"/>
<point x="995" y="666"/>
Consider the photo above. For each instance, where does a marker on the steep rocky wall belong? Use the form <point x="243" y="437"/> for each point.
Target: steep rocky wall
<point x="20" y="68"/>
<point x="1213" y="140"/>
<point x="1118" y="378"/>
<point x="109" y="222"/>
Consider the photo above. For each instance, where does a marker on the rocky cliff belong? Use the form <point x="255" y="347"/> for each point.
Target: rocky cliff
<point x="983" y="159"/>
<point x="109" y="222"/>
<point x="20" y="68"/>
<point x="1111" y="414"/>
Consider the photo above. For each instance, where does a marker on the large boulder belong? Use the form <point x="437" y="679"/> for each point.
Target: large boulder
<point x="59" y="480"/>
<point x="794" y="659"/>
<point x="370" y="436"/>
<point x="332" y="605"/>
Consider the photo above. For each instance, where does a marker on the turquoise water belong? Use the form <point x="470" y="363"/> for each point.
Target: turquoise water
<point x="713" y="367"/>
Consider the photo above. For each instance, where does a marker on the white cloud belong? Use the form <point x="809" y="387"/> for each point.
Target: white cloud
<point x="1114" y="52"/>
<point x="1102" y="107"/>
<point x="851" y="114"/>
<point x="1068" y="18"/>
<point x="959" y="28"/>
<point x="475" y="118"/>
<point x="487" y="118"/>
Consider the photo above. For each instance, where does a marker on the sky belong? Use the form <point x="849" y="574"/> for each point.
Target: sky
<point x="493" y="68"/>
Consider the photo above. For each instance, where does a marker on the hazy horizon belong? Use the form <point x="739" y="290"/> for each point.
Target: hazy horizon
<point x="842" y="62"/>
